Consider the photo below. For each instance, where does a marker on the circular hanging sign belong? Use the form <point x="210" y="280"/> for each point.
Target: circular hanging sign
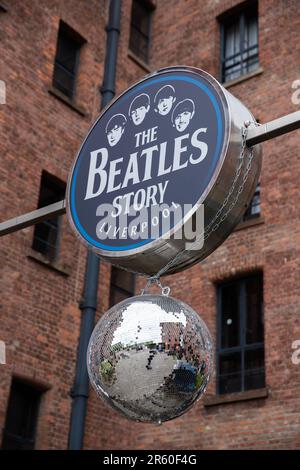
<point x="151" y="162"/>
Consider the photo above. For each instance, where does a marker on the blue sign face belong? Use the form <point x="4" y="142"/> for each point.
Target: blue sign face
<point x="155" y="149"/>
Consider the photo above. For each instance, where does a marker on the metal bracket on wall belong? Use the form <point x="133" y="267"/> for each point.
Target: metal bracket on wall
<point x="256" y="135"/>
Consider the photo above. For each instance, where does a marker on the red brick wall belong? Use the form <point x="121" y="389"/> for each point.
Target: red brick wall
<point x="39" y="317"/>
<point x="39" y="314"/>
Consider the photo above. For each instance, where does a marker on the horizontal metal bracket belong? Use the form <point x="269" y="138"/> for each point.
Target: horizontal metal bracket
<point x="272" y="129"/>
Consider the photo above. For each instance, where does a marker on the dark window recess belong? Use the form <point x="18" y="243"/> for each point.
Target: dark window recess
<point x="139" y="41"/>
<point x="239" y="41"/>
<point x="122" y="285"/>
<point x="253" y="210"/>
<point x="240" y="354"/>
<point x="46" y="234"/>
<point x="21" y="417"/>
<point x="66" y="60"/>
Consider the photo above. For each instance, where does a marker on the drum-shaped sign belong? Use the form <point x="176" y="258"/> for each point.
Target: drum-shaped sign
<point x="163" y="173"/>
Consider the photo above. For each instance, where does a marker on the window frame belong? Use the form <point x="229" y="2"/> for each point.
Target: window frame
<point x="56" y="246"/>
<point x="243" y="346"/>
<point x="238" y="13"/>
<point x="248" y="215"/>
<point x="150" y="9"/>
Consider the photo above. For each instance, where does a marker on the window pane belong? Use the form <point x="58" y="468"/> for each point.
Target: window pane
<point x="233" y="37"/>
<point x="240" y="53"/>
<point x="66" y="52"/>
<point x="255" y="203"/>
<point x="232" y="50"/>
<point x="254" y="207"/>
<point x="250" y="56"/>
<point x="254" y="369"/>
<point x="251" y="31"/>
<point x="63" y="81"/>
<point x="252" y="62"/>
<point x="230" y="373"/>
<point x="230" y="320"/>
<point x="51" y="190"/>
<point x="45" y="238"/>
<point x="139" y="44"/>
<point x="254" y="315"/>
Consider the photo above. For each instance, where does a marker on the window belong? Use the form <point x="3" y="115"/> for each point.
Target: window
<point x="253" y="210"/>
<point x="122" y="285"/>
<point x="140" y="29"/>
<point x="66" y="60"/>
<point x="21" y="416"/>
<point x="46" y="234"/>
<point x="239" y="41"/>
<point x="240" y="354"/>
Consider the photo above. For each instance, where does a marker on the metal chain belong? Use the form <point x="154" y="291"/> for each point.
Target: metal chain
<point x="207" y="230"/>
<point x="214" y="223"/>
<point x="165" y="290"/>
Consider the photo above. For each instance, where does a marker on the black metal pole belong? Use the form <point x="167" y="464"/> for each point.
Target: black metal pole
<point x="88" y="306"/>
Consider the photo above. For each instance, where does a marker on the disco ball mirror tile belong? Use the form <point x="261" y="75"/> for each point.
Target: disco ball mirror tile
<point x="150" y="357"/>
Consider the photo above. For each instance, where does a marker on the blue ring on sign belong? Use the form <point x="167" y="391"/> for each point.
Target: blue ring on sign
<point x="206" y="90"/>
